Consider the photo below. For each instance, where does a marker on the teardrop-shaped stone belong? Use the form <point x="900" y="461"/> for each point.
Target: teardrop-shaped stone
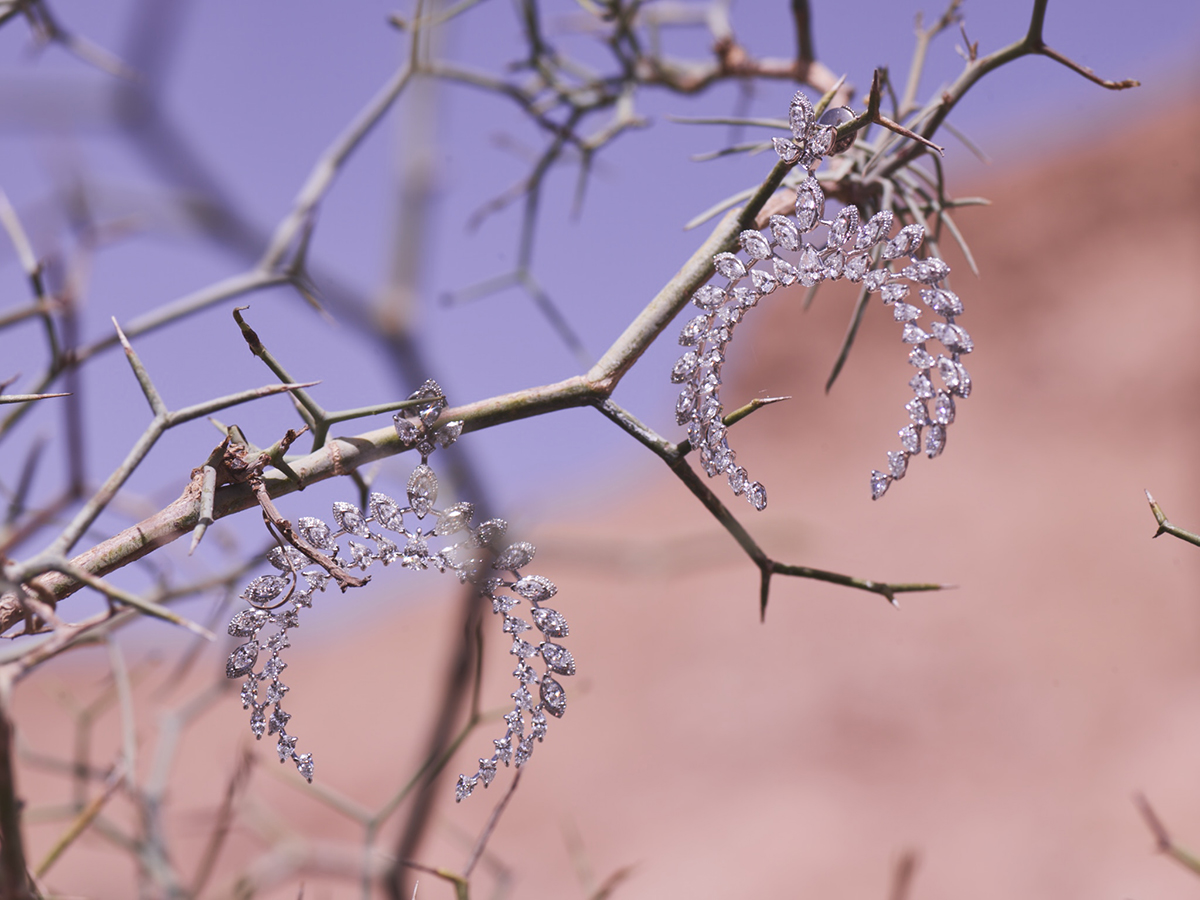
<point x="920" y="358"/>
<point x="764" y="281"/>
<point x="833" y="265"/>
<point x="729" y="266"/>
<point x="875" y="279"/>
<point x="408" y="430"/>
<point x="922" y="386"/>
<point x="917" y="411"/>
<point x="448" y="433"/>
<point x="554" y="698"/>
<point x="913" y="334"/>
<point x="893" y="292"/>
<point x="241" y="661"/>
<point x="515" y="556"/>
<point x="535" y="588"/>
<point x="754" y="244"/>
<point x="757" y="495"/>
<point x="821" y="141"/>
<point x="897" y="463"/>
<point x="910" y="439"/>
<point x="550" y="622"/>
<point x="905" y="312"/>
<point x="784" y="271"/>
<point x="880" y="481"/>
<point x="558" y="658"/>
<point x="927" y="271"/>
<point x="856" y="267"/>
<point x="350" y="519"/>
<point x="787" y="150"/>
<point x="434" y="401"/>
<point x="422" y="490"/>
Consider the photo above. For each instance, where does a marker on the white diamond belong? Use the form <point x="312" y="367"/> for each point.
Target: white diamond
<point x="785" y="233"/>
<point x="943" y="409"/>
<point x="729" y="266"/>
<point x="935" y="440"/>
<point x="921" y="385"/>
<point x="810" y="203"/>
<point x="708" y="297"/>
<point x="879" y="483"/>
<point x="913" y="334"/>
<point x="757" y="495"/>
<point x="944" y="303"/>
<point x="755" y="245"/>
<point x="897" y="463"/>
<point x="910" y="439"/>
<point x="905" y="312"/>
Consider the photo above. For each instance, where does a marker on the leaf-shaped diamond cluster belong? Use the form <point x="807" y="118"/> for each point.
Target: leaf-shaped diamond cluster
<point x="860" y="252"/>
<point x="423" y="537"/>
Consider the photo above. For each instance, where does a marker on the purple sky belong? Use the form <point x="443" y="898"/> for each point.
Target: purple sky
<point x="259" y="88"/>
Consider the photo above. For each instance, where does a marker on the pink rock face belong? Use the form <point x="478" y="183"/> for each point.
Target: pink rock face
<point x="999" y="729"/>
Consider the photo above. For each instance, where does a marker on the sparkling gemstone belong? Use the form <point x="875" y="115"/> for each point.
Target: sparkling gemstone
<point x="279" y="641"/>
<point x="954" y="377"/>
<point x="503" y="749"/>
<point x="754" y="244"/>
<point x="315" y="532"/>
<point x="821" y="141"/>
<point x="709" y="408"/>
<point x="535" y="588"/>
<point x="250" y="693"/>
<point x="943" y="302"/>
<point x="361" y="555"/>
<point x="462" y="790"/>
<point x="286" y="747"/>
<point x="550" y="622"/>
<point x="893" y="292"/>
<point x="917" y="411"/>
<point x="554" y="698"/>
<point x="490" y="531"/>
<point x="385" y="511"/>
<point x="856" y="267"/>
<point x="693" y="332"/>
<point x="385" y="550"/>
<point x="897" y="463"/>
<point x="834" y="263"/>
<point x="746" y="297"/>
<point x="514" y="625"/>
<point x="241" y="661"/>
<point x="913" y="334"/>
<point x="265" y="588"/>
<point x="448" y="433"/>
<point x="935" y="440"/>
<point x="304" y="765"/>
<point x="785" y="232"/>
<point x="729" y="266"/>
<point x="258" y="724"/>
<point x="874" y="230"/>
<point x="844" y="227"/>
<point x="276" y="691"/>
<point x="709" y="297"/>
<point x="315" y="580"/>
<point x="738" y="480"/>
<point x="487" y="770"/>
<point x="879" y="483"/>
<point x="279" y="720"/>
<point x="685" y="405"/>
<point x="921" y="385"/>
<point x="524" y="751"/>
<point x="537" y="725"/>
<point x="515" y="556"/>
<point x="757" y="495"/>
<point x="558" y="658"/>
<point x="350" y="519"/>
<point x="247" y="622"/>
<point x="273" y="667"/>
<point x="905" y="312"/>
<point x="784" y="271"/>
<point x="454" y="519"/>
<point x="764" y="281"/>
<point x="927" y="271"/>
<point x="920" y="358"/>
<point x="684" y="367"/>
<point x="422" y="490"/>
<point x="953" y="337"/>
<point x="786" y="149"/>
<point x="907" y="240"/>
<point x="522" y="649"/>
<point x="800" y="117"/>
<point x="943" y="408"/>
<point x="875" y="279"/>
<point x="910" y="439"/>
<point x="810" y="204"/>
<point x="408" y="430"/>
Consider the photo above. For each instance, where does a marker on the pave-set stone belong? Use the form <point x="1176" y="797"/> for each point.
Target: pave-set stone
<point x="477" y="554"/>
<point x="858" y="251"/>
